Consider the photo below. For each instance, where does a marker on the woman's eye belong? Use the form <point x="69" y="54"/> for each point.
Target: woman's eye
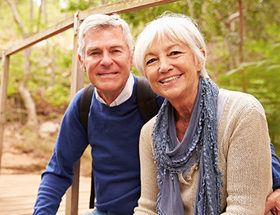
<point x="175" y="52"/>
<point x="151" y="61"/>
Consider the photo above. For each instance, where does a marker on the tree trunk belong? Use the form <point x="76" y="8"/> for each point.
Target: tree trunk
<point x="241" y="59"/>
<point x="190" y="5"/>
<point x="29" y="105"/>
<point x="23" y="90"/>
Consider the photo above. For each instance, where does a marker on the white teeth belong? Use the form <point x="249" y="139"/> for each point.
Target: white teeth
<point x="170" y="79"/>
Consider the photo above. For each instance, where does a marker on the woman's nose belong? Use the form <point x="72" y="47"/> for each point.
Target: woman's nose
<point x="164" y="65"/>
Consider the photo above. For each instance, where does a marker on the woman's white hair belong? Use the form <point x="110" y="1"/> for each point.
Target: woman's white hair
<point x="176" y="26"/>
<point x="101" y="21"/>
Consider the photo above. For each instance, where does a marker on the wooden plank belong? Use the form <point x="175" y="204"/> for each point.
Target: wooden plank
<point x="77" y="76"/>
<point x="118" y="7"/>
<point x="124" y="7"/>
<point x="40" y="36"/>
<point x="3" y="97"/>
<point x="72" y="195"/>
<point x="18" y="194"/>
<point x="77" y="81"/>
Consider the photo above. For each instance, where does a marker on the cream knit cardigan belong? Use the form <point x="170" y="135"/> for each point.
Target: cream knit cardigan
<point x="244" y="158"/>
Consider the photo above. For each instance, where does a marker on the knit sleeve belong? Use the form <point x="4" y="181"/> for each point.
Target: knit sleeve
<point x="149" y="188"/>
<point x="69" y="146"/>
<point x="249" y="175"/>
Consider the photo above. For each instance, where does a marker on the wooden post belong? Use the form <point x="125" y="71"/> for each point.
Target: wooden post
<point x="3" y="98"/>
<point x="77" y="81"/>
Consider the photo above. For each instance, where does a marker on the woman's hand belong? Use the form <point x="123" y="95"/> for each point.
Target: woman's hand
<point x="273" y="203"/>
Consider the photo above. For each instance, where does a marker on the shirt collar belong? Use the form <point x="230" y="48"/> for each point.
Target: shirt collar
<point x="124" y="95"/>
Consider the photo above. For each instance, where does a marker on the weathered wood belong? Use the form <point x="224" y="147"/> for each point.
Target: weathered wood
<point x="77" y="81"/>
<point x="3" y="97"/>
<point x="18" y="194"/>
<point x="119" y="7"/>
<point x="40" y="36"/>
<point x="124" y="7"/>
<point x="72" y="195"/>
<point x="77" y="76"/>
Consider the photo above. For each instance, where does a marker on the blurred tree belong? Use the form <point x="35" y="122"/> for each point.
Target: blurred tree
<point x="23" y="90"/>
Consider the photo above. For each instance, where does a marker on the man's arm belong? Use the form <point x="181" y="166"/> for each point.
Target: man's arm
<point x="275" y="168"/>
<point x="70" y="145"/>
<point x="273" y="200"/>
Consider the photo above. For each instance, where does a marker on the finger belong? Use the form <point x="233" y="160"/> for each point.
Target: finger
<point x="268" y="207"/>
<point x="274" y="211"/>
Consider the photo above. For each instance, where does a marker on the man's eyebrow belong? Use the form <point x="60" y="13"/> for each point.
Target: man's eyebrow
<point x="116" y="46"/>
<point x="92" y="48"/>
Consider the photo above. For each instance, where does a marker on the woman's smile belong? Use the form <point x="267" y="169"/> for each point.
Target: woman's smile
<point x="169" y="79"/>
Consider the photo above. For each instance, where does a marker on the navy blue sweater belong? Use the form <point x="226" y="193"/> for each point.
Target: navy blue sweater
<point x="113" y="133"/>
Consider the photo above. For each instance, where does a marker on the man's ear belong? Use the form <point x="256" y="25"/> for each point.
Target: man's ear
<point x="81" y="62"/>
<point x="80" y="59"/>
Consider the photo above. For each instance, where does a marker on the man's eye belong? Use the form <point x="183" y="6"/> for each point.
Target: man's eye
<point x="151" y="61"/>
<point x="94" y="53"/>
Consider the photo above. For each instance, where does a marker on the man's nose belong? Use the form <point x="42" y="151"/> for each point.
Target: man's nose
<point x="106" y="59"/>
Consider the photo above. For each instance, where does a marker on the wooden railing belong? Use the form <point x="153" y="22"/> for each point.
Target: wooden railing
<point x="76" y="78"/>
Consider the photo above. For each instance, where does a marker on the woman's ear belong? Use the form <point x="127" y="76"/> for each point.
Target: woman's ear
<point x="200" y="63"/>
<point x="203" y="52"/>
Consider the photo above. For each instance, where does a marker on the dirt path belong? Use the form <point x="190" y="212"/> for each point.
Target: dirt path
<point x="17" y="158"/>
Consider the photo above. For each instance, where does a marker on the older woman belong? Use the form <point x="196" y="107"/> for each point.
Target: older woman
<point x="207" y="151"/>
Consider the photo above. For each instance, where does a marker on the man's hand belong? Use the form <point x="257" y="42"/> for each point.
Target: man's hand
<point x="273" y="203"/>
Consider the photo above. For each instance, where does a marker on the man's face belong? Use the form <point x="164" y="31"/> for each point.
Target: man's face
<point x="107" y="61"/>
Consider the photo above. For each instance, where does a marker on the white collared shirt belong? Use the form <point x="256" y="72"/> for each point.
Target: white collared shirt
<point x="124" y="95"/>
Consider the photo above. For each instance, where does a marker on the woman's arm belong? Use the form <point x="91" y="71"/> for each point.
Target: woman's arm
<point x="149" y="187"/>
<point x="249" y="175"/>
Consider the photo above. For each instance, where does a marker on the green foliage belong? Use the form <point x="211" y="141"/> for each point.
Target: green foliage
<point x="258" y="74"/>
<point x="262" y="76"/>
<point x="74" y="5"/>
<point x="58" y="95"/>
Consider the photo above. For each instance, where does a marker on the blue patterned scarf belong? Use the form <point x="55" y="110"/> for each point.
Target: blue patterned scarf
<point x="199" y="146"/>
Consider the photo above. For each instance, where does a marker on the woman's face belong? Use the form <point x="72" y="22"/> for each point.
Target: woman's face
<point x="171" y="69"/>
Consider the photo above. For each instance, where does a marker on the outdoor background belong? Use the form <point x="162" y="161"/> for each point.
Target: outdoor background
<point x="243" y="54"/>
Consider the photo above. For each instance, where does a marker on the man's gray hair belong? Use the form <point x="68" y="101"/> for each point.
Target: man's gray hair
<point x="100" y="21"/>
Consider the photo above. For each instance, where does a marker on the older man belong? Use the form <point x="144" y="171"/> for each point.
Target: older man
<point x="105" y="53"/>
